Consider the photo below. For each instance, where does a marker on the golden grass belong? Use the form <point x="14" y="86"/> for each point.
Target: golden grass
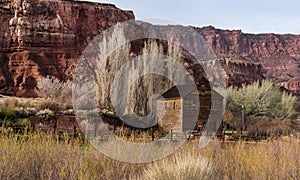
<point x="43" y="156"/>
<point x="180" y="166"/>
<point x="9" y="103"/>
<point x="262" y="160"/>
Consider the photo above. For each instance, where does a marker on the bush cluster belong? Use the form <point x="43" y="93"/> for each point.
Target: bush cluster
<point x="262" y="99"/>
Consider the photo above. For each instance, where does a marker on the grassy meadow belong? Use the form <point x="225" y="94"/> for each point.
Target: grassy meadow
<point x="43" y="156"/>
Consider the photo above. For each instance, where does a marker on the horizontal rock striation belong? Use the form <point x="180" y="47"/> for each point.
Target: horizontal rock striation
<point x="39" y="38"/>
<point x="279" y="55"/>
<point x="237" y="72"/>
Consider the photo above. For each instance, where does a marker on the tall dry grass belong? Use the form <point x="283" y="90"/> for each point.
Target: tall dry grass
<point x="44" y="156"/>
<point x="263" y="160"/>
<point x="17" y="103"/>
<point x="180" y="166"/>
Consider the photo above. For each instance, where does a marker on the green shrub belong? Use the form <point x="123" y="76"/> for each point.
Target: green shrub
<point x="45" y="114"/>
<point x="159" y="133"/>
<point x="262" y="99"/>
<point x="23" y="122"/>
<point x="69" y="112"/>
<point x="12" y="118"/>
<point x="8" y="117"/>
<point x="25" y="112"/>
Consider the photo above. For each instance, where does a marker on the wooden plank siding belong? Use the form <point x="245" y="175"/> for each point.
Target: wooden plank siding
<point x="190" y="112"/>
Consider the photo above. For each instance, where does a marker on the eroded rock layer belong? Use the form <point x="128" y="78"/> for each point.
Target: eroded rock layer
<point x="279" y="55"/>
<point x="39" y="38"/>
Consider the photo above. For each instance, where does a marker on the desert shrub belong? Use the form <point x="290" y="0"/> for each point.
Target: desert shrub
<point x="56" y="93"/>
<point x="262" y="99"/>
<point x="45" y="114"/>
<point x="31" y="110"/>
<point x="159" y="133"/>
<point x="268" y="127"/>
<point x="18" y="103"/>
<point x="51" y="87"/>
<point x="24" y="102"/>
<point x="9" y="103"/>
<point x="187" y="165"/>
<point x="8" y="117"/>
<point x="12" y="118"/>
<point x="69" y="112"/>
<point x="25" y="112"/>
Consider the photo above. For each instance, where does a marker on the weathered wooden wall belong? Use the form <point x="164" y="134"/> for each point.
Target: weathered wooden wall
<point x="191" y="112"/>
<point x="169" y="114"/>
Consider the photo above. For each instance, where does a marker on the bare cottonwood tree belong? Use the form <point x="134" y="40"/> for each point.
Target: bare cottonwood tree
<point x="110" y="59"/>
<point x="56" y="91"/>
<point x="129" y="83"/>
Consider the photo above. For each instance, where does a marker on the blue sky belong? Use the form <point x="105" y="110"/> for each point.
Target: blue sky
<point x="252" y="16"/>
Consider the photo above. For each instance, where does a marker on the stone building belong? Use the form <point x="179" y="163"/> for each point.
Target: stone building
<point x="188" y="107"/>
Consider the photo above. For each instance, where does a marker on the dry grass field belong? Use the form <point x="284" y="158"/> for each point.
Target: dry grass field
<point x="43" y="156"/>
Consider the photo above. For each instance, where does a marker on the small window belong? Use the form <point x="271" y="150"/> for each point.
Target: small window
<point x="194" y="104"/>
<point x="166" y="103"/>
<point x="174" y="105"/>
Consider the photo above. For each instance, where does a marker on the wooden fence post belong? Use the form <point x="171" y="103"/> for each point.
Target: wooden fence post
<point x="75" y="132"/>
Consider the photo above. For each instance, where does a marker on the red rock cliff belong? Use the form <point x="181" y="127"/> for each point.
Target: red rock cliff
<point x="279" y="55"/>
<point x="38" y="38"/>
<point x="46" y="37"/>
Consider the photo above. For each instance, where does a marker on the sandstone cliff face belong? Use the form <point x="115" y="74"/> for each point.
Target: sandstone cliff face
<point x="237" y="72"/>
<point x="236" y="68"/>
<point x="39" y="38"/>
<point x="279" y="55"/>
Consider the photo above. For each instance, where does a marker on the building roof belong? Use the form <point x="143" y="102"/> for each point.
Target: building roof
<point x="184" y="90"/>
<point x="179" y="91"/>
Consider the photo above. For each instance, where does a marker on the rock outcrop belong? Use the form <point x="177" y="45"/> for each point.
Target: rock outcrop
<point x="279" y="55"/>
<point x="293" y="85"/>
<point x="39" y="38"/>
<point x="237" y="72"/>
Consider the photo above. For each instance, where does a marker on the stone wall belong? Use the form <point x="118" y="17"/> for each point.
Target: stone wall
<point x="169" y="114"/>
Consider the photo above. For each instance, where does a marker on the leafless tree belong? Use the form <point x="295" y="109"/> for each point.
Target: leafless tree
<point x="56" y="91"/>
